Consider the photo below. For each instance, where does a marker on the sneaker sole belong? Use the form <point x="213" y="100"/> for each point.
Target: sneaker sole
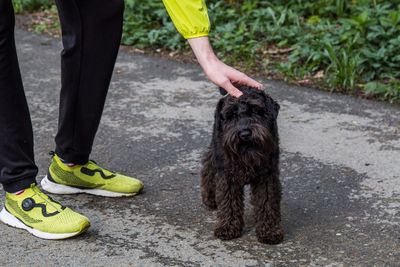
<point x="13" y="221"/>
<point x="61" y="189"/>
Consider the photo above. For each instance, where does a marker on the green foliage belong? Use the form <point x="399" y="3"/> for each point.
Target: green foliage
<point x="148" y="25"/>
<point x="30" y="5"/>
<point x="343" y="69"/>
<point x="353" y="43"/>
<point x="390" y="91"/>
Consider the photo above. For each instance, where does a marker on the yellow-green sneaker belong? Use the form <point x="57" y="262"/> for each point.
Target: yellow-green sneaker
<point x="41" y="216"/>
<point x="89" y="178"/>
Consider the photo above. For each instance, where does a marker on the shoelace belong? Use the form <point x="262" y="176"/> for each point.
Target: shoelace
<point x="46" y="199"/>
<point x="97" y="166"/>
<point x="52" y="153"/>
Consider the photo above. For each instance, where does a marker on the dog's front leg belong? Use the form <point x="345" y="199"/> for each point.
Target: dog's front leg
<point x="207" y="183"/>
<point x="266" y="198"/>
<point x="229" y="197"/>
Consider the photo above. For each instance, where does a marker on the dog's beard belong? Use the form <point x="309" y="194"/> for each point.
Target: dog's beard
<point x="249" y="153"/>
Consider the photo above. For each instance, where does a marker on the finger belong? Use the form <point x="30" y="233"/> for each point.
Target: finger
<point x="243" y="79"/>
<point x="251" y="82"/>
<point x="232" y="90"/>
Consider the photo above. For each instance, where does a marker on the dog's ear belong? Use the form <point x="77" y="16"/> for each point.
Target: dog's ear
<point x="217" y="114"/>
<point x="277" y="107"/>
<point x="272" y="107"/>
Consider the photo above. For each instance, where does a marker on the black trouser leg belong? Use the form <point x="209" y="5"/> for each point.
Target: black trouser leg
<point x="91" y="37"/>
<point x="17" y="167"/>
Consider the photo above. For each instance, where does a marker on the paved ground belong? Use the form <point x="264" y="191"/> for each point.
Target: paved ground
<point x="340" y="171"/>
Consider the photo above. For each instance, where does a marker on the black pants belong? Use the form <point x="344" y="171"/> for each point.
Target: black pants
<point x="91" y="31"/>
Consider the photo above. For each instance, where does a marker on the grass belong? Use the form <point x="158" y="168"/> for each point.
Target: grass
<point x="347" y="46"/>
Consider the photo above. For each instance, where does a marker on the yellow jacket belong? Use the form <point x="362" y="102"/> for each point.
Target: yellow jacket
<point x="189" y="16"/>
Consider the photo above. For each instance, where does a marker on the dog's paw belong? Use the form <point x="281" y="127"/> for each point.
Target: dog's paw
<point x="227" y="232"/>
<point x="270" y="236"/>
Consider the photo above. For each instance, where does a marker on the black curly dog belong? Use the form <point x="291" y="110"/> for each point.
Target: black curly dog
<point x="244" y="150"/>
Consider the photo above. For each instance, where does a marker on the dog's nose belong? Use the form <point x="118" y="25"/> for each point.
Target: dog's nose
<point x="245" y="134"/>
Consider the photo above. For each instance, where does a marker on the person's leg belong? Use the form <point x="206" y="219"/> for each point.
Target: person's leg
<point x="17" y="167"/>
<point x="91" y="37"/>
<point x="25" y="206"/>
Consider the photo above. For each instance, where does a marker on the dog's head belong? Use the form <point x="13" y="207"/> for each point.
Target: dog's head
<point x="246" y="126"/>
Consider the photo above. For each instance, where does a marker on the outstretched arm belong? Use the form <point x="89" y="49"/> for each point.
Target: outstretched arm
<point x="217" y="71"/>
<point x="191" y="19"/>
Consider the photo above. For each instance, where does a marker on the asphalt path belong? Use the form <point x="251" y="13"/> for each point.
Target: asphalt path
<point x="340" y="168"/>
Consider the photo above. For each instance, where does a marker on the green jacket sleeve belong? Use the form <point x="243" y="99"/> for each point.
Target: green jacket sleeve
<point x="189" y="16"/>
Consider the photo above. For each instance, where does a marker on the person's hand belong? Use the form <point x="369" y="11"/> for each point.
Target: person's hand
<point x="218" y="72"/>
<point x="225" y="76"/>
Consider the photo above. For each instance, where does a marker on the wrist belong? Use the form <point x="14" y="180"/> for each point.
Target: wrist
<point x="208" y="62"/>
<point x="203" y="51"/>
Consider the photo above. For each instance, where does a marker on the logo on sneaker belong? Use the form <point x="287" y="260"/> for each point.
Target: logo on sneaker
<point x="90" y="172"/>
<point x="29" y="203"/>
